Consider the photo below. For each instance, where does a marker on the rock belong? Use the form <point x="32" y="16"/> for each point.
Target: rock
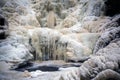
<point x="95" y="7"/>
<point x="59" y="8"/>
<point x="69" y="21"/>
<point x="18" y="13"/>
<point x="14" y="51"/>
<point x="106" y="58"/>
<point x="81" y="46"/>
<point x="63" y="14"/>
<point x="5" y="66"/>
<point x="93" y="24"/>
<point x="26" y="74"/>
<point x="9" y="75"/>
<point x="2" y="3"/>
<point x="21" y="18"/>
<point x="114" y="22"/>
<point x="106" y="38"/>
<point x="28" y="20"/>
<point x="69" y="3"/>
<point x="77" y="28"/>
<point x="36" y="73"/>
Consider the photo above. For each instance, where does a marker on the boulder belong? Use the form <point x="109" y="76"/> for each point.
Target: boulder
<point x="14" y="52"/>
<point x="105" y="61"/>
<point x="107" y="37"/>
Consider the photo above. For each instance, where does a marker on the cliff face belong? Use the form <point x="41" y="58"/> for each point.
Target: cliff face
<point x="69" y="30"/>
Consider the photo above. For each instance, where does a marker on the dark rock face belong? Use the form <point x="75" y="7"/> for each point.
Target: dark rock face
<point x="3" y="27"/>
<point x="112" y="7"/>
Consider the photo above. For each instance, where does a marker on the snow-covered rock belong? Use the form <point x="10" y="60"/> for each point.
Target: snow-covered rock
<point x="48" y="42"/>
<point x="14" y="51"/>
